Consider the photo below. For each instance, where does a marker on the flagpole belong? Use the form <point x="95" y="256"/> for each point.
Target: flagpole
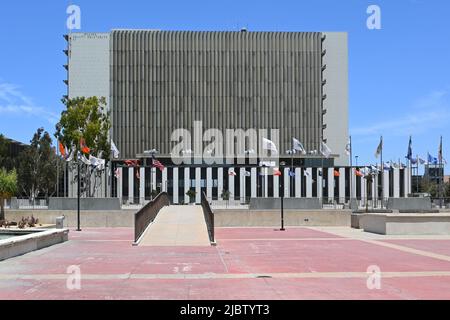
<point x="351" y="172"/>
<point x="440" y="176"/>
<point x="382" y="175"/>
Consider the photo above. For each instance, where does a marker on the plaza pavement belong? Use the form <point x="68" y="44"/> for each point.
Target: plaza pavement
<point x="247" y="264"/>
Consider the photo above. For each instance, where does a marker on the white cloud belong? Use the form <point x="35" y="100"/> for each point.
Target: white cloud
<point x="14" y="102"/>
<point x="426" y="114"/>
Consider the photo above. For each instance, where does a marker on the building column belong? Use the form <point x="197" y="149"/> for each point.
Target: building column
<point x="242" y="185"/>
<point x="396" y="183"/>
<point x="342" y="185"/>
<point x="287" y="183"/>
<point x="130" y="185"/>
<point x="331" y="185"/>
<point x="266" y="182"/>
<point x="363" y="190"/>
<point x="141" y="185"/>
<point x="298" y="182"/>
<point x="231" y="183"/>
<point x="209" y="184"/>
<point x="353" y="179"/>
<point x="175" y="186"/>
<point x="154" y="182"/>
<point x="120" y="184"/>
<point x="254" y="183"/>
<point x="164" y="180"/>
<point x="309" y="179"/>
<point x="276" y="187"/>
<point x="219" y="183"/>
<point x="319" y="183"/>
<point x="386" y="184"/>
<point x="198" y="185"/>
<point x="187" y="184"/>
<point x="407" y="181"/>
<point x="374" y="190"/>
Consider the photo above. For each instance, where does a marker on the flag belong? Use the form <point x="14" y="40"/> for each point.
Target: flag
<point x="298" y="146"/>
<point x="359" y="173"/>
<point x="232" y="174"/>
<point x="374" y="169"/>
<point x="114" y="150"/>
<point x="132" y="163"/>
<point x="158" y="164"/>
<point x="277" y="173"/>
<point x="97" y="163"/>
<point x="421" y="161"/>
<point x="379" y="149"/>
<point x="247" y="174"/>
<point x="410" y="152"/>
<point x="432" y="160"/>
<point x="306" y="173"/>
<point x="440" y="155"/>
<point x="291" y="173"/>
<point x="325" y="150"/>
<point x="85" y="160"/>
<point x="414" y="161"/>
<point x="70" y="157"/>
<point x="62" y="150"/>
<point x="138" y="175"/>
<point x="337" y="173"/>
<point x="348" y="147"/>
<point x="269" y="145"/>
<point x="387" y="166"/>
<point x="83" y="147"/>
<point x="117" y="173"/>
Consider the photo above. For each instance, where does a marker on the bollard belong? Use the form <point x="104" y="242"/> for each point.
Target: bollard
<point x="60" y="222"/>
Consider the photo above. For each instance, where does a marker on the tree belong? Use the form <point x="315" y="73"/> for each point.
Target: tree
<point x="8" y="188"/>
<point x="88" y="119"/>
<point x="430" y="187"/>
<point x="5" y="159"/>
<point x="38" y="167"/>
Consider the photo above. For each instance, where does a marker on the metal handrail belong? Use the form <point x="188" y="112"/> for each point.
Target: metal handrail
<point x="209" y="217"/>
<point x="148" y="214"/>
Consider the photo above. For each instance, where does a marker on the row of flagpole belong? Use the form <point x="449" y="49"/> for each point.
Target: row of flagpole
<point x="297" y="146"/>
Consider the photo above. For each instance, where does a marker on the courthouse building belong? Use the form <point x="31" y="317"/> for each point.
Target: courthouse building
<point x="156" y="82"/>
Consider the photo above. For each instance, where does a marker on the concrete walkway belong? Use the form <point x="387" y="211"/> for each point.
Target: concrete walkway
<point x="178" y="226"/>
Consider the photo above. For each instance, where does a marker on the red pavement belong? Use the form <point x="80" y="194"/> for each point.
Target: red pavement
<point x="300" y="263"/>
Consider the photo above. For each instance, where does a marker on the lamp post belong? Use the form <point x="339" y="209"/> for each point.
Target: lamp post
<point x="78" y="195"/>
<point x="282" y="164"/>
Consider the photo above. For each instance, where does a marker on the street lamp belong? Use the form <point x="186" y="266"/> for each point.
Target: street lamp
<point x="282" y="164"/>
<point x="78" y="194"/>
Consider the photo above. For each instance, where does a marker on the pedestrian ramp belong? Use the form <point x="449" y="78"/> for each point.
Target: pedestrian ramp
<point x="177" y="226"/>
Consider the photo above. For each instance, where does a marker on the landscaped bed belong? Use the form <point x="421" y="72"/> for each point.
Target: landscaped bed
<point x="28" y="235"/>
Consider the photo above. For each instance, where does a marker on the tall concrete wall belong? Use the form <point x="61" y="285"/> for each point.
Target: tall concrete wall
<point x="337" y="92"/>
<point x="89" y="76"/>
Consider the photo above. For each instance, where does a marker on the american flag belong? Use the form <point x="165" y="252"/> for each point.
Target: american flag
<point x="158" y="165"/>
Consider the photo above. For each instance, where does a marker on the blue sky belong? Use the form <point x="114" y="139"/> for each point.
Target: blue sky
<point x="399" y="75"/>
